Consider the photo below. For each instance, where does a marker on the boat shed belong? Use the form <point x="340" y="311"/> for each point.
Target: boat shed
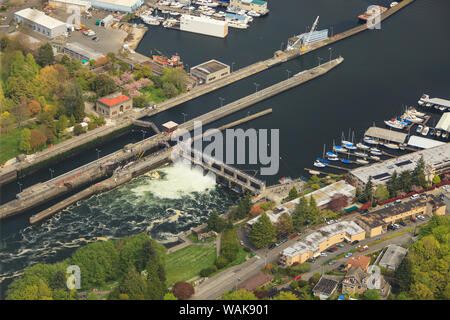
<point x="437" y="101"/>
<point x="423" y="143"/>
<point x="386" y="135"/>
<point x="444" y="122"/>
<point x="437" y="160"/>
<point x="210" y="71"/>
<point x="117" y="5"/>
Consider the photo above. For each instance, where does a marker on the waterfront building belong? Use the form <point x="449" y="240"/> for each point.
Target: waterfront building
<point x="437" y="160"/>
<point x="317" y="242"/>
<point x="210" y="71"/>
<point x="81" y="52"/>
<point x="204" y="25"/>
<point x="170" y="126"/>
<point x="117" y="5"/>
<point x="66" y="4"/>
<point x="39" y="22"/>
<point x="258" y="6"/>
<point x="114" y="105"/>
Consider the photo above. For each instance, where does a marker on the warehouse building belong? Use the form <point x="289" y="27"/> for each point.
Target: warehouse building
<point x="66" y="4"/>
<point x="444" y="122"/>
<point x="114" y="105"/>
<point x="41" y="23"/>
<point x="117" y="5"/>
<point x="317" y="242"/>
<point x="255" y="5"/>
<point x="423" y="143"/>
<point x="437" y="160"/>
<point x="81" y="52"/>
<point x="210" y="71"/>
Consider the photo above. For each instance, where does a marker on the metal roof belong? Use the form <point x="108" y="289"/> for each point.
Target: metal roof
<point x="423" y="143"/>
<point x="83" y="50"/>
<point x="210" y="66"/>
<point x="386" y="134"/>
<point x="435" y="157"/>
<point x="393" y="256"/>
<point x="437" y="101"/>
<point x="40" y="18"/>
<point x="444" y="122"/>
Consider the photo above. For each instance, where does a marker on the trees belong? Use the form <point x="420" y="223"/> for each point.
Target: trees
<point x="381" y="193"/>
<point x="24" y="144"/>
<point x="20" y="111"/>
<point x="61" y="125"/>
<point x="169" y="296"/>
<point x="229" y="247"/>
<point x="262" y="232"/>
<point x="418" y="174"/>
<point x="33" y="107"/>
<point x="140" y="101"/>
<point x="183" y="290"/>
<point x="314" y="278"/>
<point x="293" y="194"/>
<point x="284" y="226"/>
<point x="241" y="294"/>
<point x="73" y="101"/>
<point x="37" y="139"/>
<point x="436" y="179"/>
<point x="300" y="214"/>
<point x="103" y="85"/>
<point x="175" y="77"/>
<point x="142" y="72"/>
<point x="45" y="55"/>
<point x="372" y="294"/>
<point x="286" y="295"/>
<point x="215" y="222"/>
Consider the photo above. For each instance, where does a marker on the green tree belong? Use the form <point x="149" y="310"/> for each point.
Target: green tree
<point x="262" y="233"/>
<point x="284" y="225"/>
<point x="293" y="194"/>
<point x="372" y="294"/>
<point x="78" y="129"/>
<point x="142" y="72"/>
<point x="405" y="181"/>
<point x="45" y="55"/>
<point x="300" y="214"/>
<point x="436" y="179"/>
<point x="169" y="296"/>
<point x="241" y="294"/>
<point x="25" y="137"/>
<point x="286" y="295"/>
<point x="103" y="85"/>
<point x="215" y="222"/>
<point x="381" y="193"/>
<point x="73" y="101"/>
<point x="418" y="174"/>
<point x="140" y="101"/>
<point x="314" y="278"/>
<point x="61" y="125"/>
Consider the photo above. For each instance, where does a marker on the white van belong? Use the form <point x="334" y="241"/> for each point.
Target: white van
<point x="414" y="196"/>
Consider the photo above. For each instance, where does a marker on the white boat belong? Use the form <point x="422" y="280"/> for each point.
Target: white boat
<point x="442" y="108"/>
<point x="253" y="13"/>
<point x="332" y="158"/>
<point x="378" y="152"/>
<point x="392" y="146"/>
<point x="394" y="124"/>
<point x="445" y="134"/>
<point x="319" y="164"/>
<point x="362" y="146"/>
<point x="370" y="140"/>
<point x="412" y="118"/>
<point x="339" y="149"/>
<point x="349" y="146"/>
<point x="361" y="161"/>
<point x="174" y="13"/>
<point x="176" y="5"/>
<point x="426" y="130"/>
<point x="343" y="142"/>
<point x="207" y="3"/>
<point x="375" y="158"/>
<point x="165" y="11"/>
<point x="416" y="113"/>
<point x="232" y="9"/>
<point x="393" y="4"/>
<point x="438" y="133"/>
<point x="152" y="20"/>
<point x="237" y="25"/>
<point x="360" y="154"/>
<point x="419" y="129"/>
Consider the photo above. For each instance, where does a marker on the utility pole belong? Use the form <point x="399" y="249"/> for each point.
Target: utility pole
<point x="20" y="186"/>
<point x="221" y="101"/>
<point x="98" y="153"/>
<point x="51" y="172"/>
<point x="288" y="73"/>
<point x="330" y="50"/>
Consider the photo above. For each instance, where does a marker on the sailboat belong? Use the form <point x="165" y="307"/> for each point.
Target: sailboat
<point x="362" y="161"/>
<point x="370" y="140"/>
<point x="362" y="146"/>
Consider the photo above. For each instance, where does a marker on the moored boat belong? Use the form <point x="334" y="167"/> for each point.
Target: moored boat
<point x="362" y="146"/>
<point x="362" y="161"/>
<point x="319" y="164"/>
<point x="375" y="158"/>
<point x="339" y="149"/>
<point x="370" y="140"/>
<point x="425" y="130"/>
<point x="392" y="146"/>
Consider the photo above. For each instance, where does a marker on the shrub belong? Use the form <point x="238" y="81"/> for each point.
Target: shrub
<point x="302" y="283"/>
<point x="221" y="262"/>
<point x="208" y="271"/>
<point x="183" y="290"/>
<point x="294" y="285"/>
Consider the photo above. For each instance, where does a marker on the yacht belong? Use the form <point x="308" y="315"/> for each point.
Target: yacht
<point x="339" y="149"/>
<point x="238" y="25"/>
<point x="438" y="133"/>
<point x="253" y="13"/>
<point x="207" y="3"/>
<point x="362" y="146"/>
<point x="360" y="154"/>
<point x="232" y="9"/>
<point x="319" y="164"/>
<point x="375" y="158"/>
<point x="395" y="124"/>
<point x="416" y="113"/>
<point x="152" y="20"/>
<point x="421" y="102"/>
<point x="370" y="140"/>
<point x="393" y="4"/>
<point x="345" y="161"/>
<point x="375" y="151"/>
<point x="445" y="134"/>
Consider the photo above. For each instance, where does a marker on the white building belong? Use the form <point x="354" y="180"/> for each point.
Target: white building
<point x="39" y="22"/>
<point x="204" y="25"/>
<point x="66" y="4"/>
<point x="117" y="5"/>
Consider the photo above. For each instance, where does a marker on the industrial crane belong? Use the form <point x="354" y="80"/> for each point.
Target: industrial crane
<point x="310" y="33"/>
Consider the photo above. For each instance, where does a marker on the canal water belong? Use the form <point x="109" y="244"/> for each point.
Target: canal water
<point x="383" y="70"/>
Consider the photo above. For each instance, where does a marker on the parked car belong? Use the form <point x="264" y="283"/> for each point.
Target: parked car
<point x="273" y="245"/>
<point x="421" y="218"/>
<point x="95" y="38"/>
<point x="342" y="266"/>
<point x="293" y="236"/>
<point x="297" y="278"/>
<point x="354" y="242"/>
<point x="349" y="254"/>
<point x="340" y="245"/>
<point x="413" y="219"/>
<point x="329" y="222"/>
<point x="414" y="196"/>
<point x="388" y="205"/>
<point x="332" y="262"/>
<point x="396" y="226"/>
<point x="402" y="223"/>
<point x="398" y="201"/>
<point x="424" y="195"/>
<point x="323" y="254"/>
<point x="241" y="242"/>
<point x="330" y="250"/>
<point x="363" y="248"/>
<point x="311" y="260"/>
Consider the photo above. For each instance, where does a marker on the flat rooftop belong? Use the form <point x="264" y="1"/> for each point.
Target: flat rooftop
<point x="123" y="3"/>
<point x="170" y="125"/>
<point x="437" y="101"/>
<point x="83" y="50"/>
<point x="444" y="122"/>
<point x="40" y="18"/>
<point x="312" y="241"/>
<point x="386" y="134"/>
<point x="393" y="256"/>
<point x="423" y="143"/>
<point x="435" y="157"/>
<point x="377" y="218"/>
<point x="210" y="66"/>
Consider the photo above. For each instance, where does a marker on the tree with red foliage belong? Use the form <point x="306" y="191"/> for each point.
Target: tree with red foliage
<point x="338" y="201"/>
<point x="183" y="290"/>
<point x="37" y="139"/>
<point x="33" y="107"/>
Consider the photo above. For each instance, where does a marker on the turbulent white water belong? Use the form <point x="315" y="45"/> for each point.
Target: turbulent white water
<point x="175" y="199"/>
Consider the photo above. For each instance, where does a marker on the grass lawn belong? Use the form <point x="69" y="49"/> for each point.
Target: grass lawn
<point x="194" y="239"/>
<point x="9" y="145"/>
<point x="154" y="94"/>
<point x="186" y="263"/>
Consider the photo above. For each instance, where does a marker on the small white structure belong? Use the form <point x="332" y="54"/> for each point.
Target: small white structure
<point x="39" y="22"/>
<point x="67" y="4"/>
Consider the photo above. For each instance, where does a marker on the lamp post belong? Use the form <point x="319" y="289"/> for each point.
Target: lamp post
<point x="184" y="116"/>
<point x="98" y="153"/>
<point x="330" y="50"/>
<point x="256" y="86"/>
<point x="51" y="172"/>
<point x="221" y="101"/>
<point x="232" y="64"/>
<point x="20" y="186"/>
<point x="143" y="134"/>
<point x="288" y="72"/>
<point x="319" y="58"/>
